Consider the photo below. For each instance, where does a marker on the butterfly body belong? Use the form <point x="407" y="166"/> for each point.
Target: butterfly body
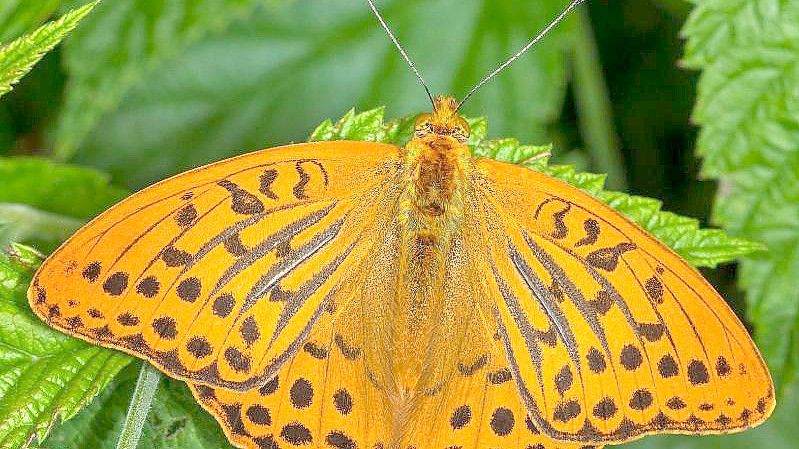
<point x="360" y="295"/>
<point x="434" y="169"/>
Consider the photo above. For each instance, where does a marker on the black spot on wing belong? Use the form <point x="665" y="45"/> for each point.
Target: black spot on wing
<point x="174" y="257"/>
<point x="608" y="258"/>
<point x="91" y="272"/>
<point x="186" y="216"/>
<point x="460" y="417"/>
<point x="502" y="421"/>
<point x="339" y="440"/>
<point x="631" y="357"/>
<point x="249" y="330"/>
<point x="342" y="400"/>
<point x="242" y="201"/>
<point x="260" y="415"/>
<point x="165" y="327"/>
<point x="697" y="373"/>
<point x="234" y="245"/>
<point x="189" y="289"/>
<point x="148" y="287"/>
<point x="301" y="393"/>
<point x="591" y="233"/>
<point x="667" y="366"/>
<point x="223" y="305"/>
<point x="296" y="434"/>
<point x="116" y="283"/>
<point x="199" y="347"/>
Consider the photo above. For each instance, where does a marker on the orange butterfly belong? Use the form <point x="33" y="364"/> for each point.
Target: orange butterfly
<point x="362" y="295"/>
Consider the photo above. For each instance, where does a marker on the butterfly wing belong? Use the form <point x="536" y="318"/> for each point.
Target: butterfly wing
<point x="217" y="275"/>
<point x="609" y="334"/>
<point x="331" y="393"/>
<point x="479" y="405"/>
<point x="322" y="397"/>
<point x="334" y="393"/>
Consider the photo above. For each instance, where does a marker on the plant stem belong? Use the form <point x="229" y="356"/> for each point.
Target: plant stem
<point x="140" y="404"/>
<point x="594" y="111"/>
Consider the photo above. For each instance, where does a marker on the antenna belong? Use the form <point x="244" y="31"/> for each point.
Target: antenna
<point x="512" y="59"/>
<point x="402" y="51"/>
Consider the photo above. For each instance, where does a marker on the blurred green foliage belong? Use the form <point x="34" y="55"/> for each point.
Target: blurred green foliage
<point x="148" y="88"/>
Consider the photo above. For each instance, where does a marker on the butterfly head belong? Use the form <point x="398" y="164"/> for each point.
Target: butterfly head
<point x="443" y="121"/>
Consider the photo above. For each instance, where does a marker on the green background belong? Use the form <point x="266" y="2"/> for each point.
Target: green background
<point x="147" y="88"/>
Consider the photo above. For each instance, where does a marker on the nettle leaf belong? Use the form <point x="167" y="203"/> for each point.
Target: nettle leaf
<point x="700" y="247"/>
<point x="121" y="44"/>
<point x="18" y="57"/>
<point x="269" y="76"/>
<point x="748" y="110"/>
<point x="42" y="202"/>
<point x="45" y="376"/>
<point x="19" y="16"/>
<point x="175" y="420"/>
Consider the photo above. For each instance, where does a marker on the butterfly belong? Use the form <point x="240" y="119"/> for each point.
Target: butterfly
<point x="363" y="295"/>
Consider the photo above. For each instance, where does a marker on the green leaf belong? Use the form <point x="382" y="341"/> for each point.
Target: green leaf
<point x="45" y="376"/>
<point x="123" y="43"/>
<point x="69" y="190"/>
<point x="42" y="202"/>
<point x="19" y="16"/>
<point x="700" y="247"/>
<point x="18" y="57"/>
<point x="45" y="230"/>
<point x="175" y="420"/>
<point x="748" y="110"/>
<point x="266" y="80"/>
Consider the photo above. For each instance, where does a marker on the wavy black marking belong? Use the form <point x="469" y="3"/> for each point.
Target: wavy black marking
<point x="349" y="352"/>
<point x="608" y="258"/>
<point x="618" y="300"/>
<point x="522" y="323"/>
<point x="242" y="201"/>
<point x="524" y="392"/>
<point x="561" y="231"/>
<point x="546" y="301"/>
<point x="571" y="290"/>
<point x="286" y="265"/>
<point x="305" y="178"/>
<point x="468" y="370"/>
<point x="296" y="301"/>
<point x="265" y="246"/>
<point x="266" y="180"/>
<point x="592" y="230"/>
<point x="277" y="363"/>
<point x="541" y="207"/>
<point x="321" y="169"/>
<point x="316" y="351"/>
